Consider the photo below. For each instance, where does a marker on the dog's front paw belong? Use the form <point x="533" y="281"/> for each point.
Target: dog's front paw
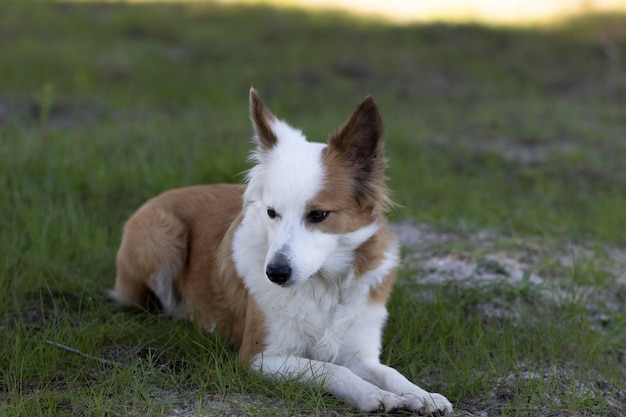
<point x="428" y="404"/>
<point x="383" y="402"/>
<point x="437" y="404"/>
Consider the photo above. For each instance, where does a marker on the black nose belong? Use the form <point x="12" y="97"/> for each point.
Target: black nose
<point x="279" y="270"/>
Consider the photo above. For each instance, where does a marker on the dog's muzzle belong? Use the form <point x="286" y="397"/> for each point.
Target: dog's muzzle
<point x="279" y="270"/>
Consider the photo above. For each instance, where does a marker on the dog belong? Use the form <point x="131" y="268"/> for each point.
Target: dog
<point x="294" y="268"/>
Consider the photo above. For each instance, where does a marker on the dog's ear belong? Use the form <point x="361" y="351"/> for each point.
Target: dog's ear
<point x="261" y="118"/>
<point x="360" y="139"/>
<point x="358" y="145"/>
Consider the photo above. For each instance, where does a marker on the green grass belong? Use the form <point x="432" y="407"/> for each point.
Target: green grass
<point x="516" y="131"/>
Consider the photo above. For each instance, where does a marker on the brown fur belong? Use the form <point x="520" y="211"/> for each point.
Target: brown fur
<point x="261" y="119"/>
<point x="188" y="232"/>
<point x="355" y="190"/>
<point x="358" y="146"/>
<point x="354" y="161"/>
<point x="369" y="256"/>
<point x="337" y="197"/>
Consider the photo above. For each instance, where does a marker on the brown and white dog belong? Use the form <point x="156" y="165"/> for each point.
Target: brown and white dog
<point x="294" y="268"/>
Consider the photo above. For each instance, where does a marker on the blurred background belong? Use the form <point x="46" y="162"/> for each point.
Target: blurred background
<point x="508" y="116"/>
<point x="487" y="11"/>
<point x="506" y="137"/>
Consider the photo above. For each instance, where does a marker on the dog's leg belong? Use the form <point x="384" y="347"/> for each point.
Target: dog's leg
<point x="149" y="259"/>
<point x="391" y="380"/>
<point x="335" y="379"/>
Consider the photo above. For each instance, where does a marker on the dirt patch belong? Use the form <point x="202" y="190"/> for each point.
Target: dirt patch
<point x="563" y="385"/>
<point x="594" y="273"/>
<point x="523" y="152"/>
<point x="218" y="405"/>
<point x="591" y="274"/>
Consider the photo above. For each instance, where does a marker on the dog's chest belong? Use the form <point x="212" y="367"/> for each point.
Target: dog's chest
<point x="312" y="321"/>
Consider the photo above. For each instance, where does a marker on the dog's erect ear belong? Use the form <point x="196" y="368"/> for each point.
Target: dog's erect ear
<point x="261" y="119"/>
<point x="358" y="144"/>
<point x="360" y="139"/>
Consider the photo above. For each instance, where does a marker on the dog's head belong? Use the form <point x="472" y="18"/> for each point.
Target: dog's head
<point x="314" y="204"/>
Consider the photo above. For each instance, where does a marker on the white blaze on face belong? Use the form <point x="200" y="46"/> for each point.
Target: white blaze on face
<point x="286" y="179"/>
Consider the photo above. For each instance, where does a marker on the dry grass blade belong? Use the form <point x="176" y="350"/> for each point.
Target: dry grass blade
<point x="83" y="354"/>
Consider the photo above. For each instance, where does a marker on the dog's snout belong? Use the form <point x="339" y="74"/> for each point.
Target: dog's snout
<point x="279" y="270"/>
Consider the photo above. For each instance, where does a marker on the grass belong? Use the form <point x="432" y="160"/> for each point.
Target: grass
<point x="519" y="132"/>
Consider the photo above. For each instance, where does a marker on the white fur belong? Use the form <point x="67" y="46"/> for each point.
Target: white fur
<point x="164" y="290"/>
<point x="322" y="329"/>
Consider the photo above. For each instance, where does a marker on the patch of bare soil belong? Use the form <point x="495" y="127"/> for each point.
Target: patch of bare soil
<point x="591" y="274"/>
<point x="217" y="405"/>
<point x="557" y="271"/>
<point x="523" y="152"/>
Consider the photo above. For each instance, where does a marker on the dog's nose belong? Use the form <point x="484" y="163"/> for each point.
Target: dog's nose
<point x="279" y="270"/>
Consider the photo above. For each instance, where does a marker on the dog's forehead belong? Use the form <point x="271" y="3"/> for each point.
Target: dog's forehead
<point x="295" y="173"/>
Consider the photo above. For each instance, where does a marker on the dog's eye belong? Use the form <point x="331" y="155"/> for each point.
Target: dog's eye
<point x="271" y="213"/>
<point x="317" y="216"/>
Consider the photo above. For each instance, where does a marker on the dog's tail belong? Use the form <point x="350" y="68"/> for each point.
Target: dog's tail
<point x="149" y="261"/>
